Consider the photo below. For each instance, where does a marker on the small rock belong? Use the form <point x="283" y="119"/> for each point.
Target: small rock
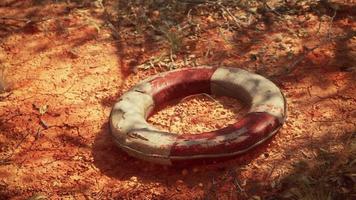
<point x="195" y="169"/>
<point x="210" y="19"/>
<point x="133" y="178"/>
<point x="155" y="15"/>
<point x="184" y="172"/>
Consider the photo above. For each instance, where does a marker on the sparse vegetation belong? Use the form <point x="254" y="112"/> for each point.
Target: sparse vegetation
<point x="329" y="176"/>
<point x="68" y="60"/>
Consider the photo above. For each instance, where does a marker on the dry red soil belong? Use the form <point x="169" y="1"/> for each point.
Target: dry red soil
<point x="63" y="74"/>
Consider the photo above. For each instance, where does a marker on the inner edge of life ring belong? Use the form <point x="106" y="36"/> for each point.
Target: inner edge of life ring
<point x="133" y="134"/>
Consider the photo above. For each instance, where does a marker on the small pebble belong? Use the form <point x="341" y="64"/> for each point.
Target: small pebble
<point x="195" y="169"/>
<point x="184" y="172"/>
<point x="155" y="14"/>
<point x="133" y="178"/>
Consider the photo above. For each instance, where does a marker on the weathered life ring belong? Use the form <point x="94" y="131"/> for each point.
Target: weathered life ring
<point x="133" y="134"/>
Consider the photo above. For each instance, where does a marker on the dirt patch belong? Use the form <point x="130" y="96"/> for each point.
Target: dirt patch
<point x="198" y="113"/>
<point x="66" y="62"/>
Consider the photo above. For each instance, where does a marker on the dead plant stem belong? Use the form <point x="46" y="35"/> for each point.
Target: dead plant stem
<point x="327" y="38"/>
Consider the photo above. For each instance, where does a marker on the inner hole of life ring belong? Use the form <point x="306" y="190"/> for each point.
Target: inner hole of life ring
<point x="197" y="113"/>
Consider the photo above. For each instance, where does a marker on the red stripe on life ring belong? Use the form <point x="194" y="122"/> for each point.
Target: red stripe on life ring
<point x="181" y="83"/>
<point x="253" y="128"/>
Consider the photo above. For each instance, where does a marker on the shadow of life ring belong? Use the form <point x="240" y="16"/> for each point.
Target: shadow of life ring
<point x="133" y="134"/>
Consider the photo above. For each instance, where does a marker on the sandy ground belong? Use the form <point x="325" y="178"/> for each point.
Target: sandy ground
<point x="63" y="74"/>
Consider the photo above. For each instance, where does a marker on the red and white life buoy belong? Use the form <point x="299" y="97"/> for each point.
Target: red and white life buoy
<point x="134" y="135"/>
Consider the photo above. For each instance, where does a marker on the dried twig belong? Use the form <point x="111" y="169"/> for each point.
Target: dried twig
<point x="27" y="20"/>
<point x="172" y="64"/>
<point x="212" y="190"/>
<point x="7" y="158"/>
<point x="15" y="19"/>
<point x="194" y="95"/>
<point x="319" y="27"/>
<point x="293" y="66"/>
<point x="271" y="9"/>
<point x="236" y="183"/>
<point x="237" y="23"/>
<point x="108" y="21"/>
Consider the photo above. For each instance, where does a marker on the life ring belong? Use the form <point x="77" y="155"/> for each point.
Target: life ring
<point x="133" y="134"/>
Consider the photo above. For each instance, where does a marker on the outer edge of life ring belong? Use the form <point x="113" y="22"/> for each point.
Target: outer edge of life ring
<point x="133" y="134"/>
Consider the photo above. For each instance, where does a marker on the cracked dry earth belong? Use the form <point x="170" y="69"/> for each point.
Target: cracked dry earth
<point x="54" y="136"/>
